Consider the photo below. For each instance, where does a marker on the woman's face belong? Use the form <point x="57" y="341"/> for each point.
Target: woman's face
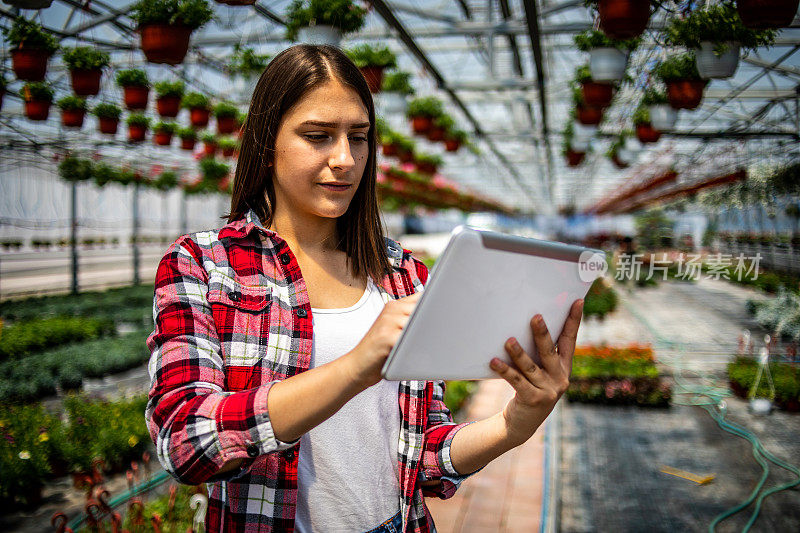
<point x="321" y="144"/>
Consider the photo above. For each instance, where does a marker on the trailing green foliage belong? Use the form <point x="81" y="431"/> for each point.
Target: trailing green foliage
<point x="132" y="78"/>
<point x="25" y="33"/>
<point x="72" y="103"/>
<point x="226" y="143"/>
<point x="433" y="159"/>
<point x="186" y="133"/>
<point x="170" y="88"/>
<point x="85" y="58"/>
<point x="225" y="110"/>
<point x="138" y="119"/>
<point x="37" y="91"/>
<point x="245" y="62"/>
<point x="641" y="115"/>
<point x="213" y="170"/>
<point x="165" y="181"/>
<point x="104" y="110"/>
<point x="717" y="23"/>
<point x="26" y="337"/>
<point x="210" y="138"/>
<point x="341" y="14"/>
<point x="195" y="101"/>
<point x="165" y="127"/>
<point x="600" y="300"/>
<point x="364" y="55"/>
<point x="428" y="106"/>
<point x="678" y="67"/>
<point x="591" y="39"/>
<point x="190" y="13"/>
<point x="397" y="82"/>
<point x="653" y="96"/>
<point x="75" y="169"/>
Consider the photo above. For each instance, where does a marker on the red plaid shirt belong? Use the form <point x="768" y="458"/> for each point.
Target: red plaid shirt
<point x="232" y="317"/>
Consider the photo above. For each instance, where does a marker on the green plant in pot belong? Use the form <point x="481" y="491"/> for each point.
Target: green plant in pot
<point x="163" y="132"/>
<point x="422" y="111"/>
<point x="662" y="116"/>
<point x="85" y="64"/>
<point x="168" y="97"/>
<point x="765" y="14"/>
<point x="617" y="153"/>
<point x="138" y="124"/>
<point x="645" y="131"/>
<point x="454" y="139"/>
<point x="427" y="163"/>
<point x="135" y="88"/>
<point x="188" y="138"/>
<point x="622" y="19"/>
<point x="107" y="117"/>
<point x="717" y="35"/>
<point x="573" y="153"/>
<point x="165" y="27"/>
<point x="585" y="114"/>
<point x="226" y="115"/>
<point x="245" y="62"/>
<point x="441" y="124"/>
<point x="608" y="58"/>
<point x="210" y="144"/>
<point x="73" y="109"/>
<point x="323" y="21"/>
<point x="38" y="96"/>
<point x="595" y="93"/>
<point x="228" y="146"/>
<point x="372" y="61"/>
<point x="684" y="84"/>
<point x="199" y="108"/>
<point x="31" y="47"/>
<point x="395" y="90"/>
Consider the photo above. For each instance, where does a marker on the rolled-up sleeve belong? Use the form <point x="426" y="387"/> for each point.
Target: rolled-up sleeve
<point x="196" y="426"/>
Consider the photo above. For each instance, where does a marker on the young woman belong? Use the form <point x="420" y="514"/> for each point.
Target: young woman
<point x="270" y="334"/>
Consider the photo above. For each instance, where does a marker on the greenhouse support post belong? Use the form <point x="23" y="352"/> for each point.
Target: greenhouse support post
<point x="135" y="234"/>
<point x="73" y="234"/>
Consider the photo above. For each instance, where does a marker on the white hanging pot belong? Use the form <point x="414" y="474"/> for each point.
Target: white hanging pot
<point x="626" y="156"/>
<point x="607" y="64"/>
<point x="632" y="144"/>
<point x="710" y="65"/>
<point x="663" y="116"/>
<point x="320" y="34"/>
<point x="583" y="132"/>
<point x="392" y="103"/>
<point x="760" y="406"/>
<point x="580" y="145"/>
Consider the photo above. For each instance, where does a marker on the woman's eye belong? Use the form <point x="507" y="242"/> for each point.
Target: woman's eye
<point x="359" y="138"/>
<point x="316" y="136"/>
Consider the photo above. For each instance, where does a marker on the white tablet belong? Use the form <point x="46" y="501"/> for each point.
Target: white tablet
<point x="485" y="288"/>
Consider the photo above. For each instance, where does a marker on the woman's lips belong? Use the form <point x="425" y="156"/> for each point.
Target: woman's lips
<point x="335" y="187"/>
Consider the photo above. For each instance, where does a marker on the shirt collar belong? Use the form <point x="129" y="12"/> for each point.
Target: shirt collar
<point x="241" y="228"/>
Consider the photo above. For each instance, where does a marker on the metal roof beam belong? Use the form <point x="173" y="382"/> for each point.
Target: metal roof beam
<point x="268" y="14"/>
<point x="423" y="13"/>
<point x="108" y="17"/>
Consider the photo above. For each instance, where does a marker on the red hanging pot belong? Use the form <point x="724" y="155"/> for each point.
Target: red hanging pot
<point x="765" y="14"/>
<point x="405" y="156"/>
<point x="37" y="109"/>
<point x="86" y="82"/>
<point x="226" y="125"/>
<point x="209" y="149"/>
<point x="72" y="118"/>
<point x="685" y="94"/>
<point x="597" y="94"/>
<point x="374" y="77"/>
<point x="136" y="133"/>
<point x="574" y="158"/>
<point x="436" y="134"/>
<point x="452" y="145"/>
<point x="188" y="144"/>
<point x="168" y="106"/>
<point x="421" y="125"/>
<point x="589" y="115"/>
<point x="426" y="167"/>
<point x="29" y="64"/>
<point x="165" y="43"/>
<point x="135" y="97"/>
<point x="623" y="19"/>
<point x="108" y="125"/>
<point x="198" y="116"/>
<point x="162" y="138"/>
<point x="228" y="152"/>
<point x="389" y="149"/>
<point x="646" y="133"/>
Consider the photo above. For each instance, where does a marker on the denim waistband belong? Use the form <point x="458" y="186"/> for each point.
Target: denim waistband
<point x="393" y="525"/>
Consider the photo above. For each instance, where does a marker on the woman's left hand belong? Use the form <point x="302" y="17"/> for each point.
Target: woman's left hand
<point x="538" y="388"/>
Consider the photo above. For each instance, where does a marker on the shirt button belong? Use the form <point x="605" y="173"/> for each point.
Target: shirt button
<point x="236" y="296"/>
<point x="285" y="259"/>
<point x="302" y="313"/>
<point x="290" y="455"/>
<point x="252" y="451"/>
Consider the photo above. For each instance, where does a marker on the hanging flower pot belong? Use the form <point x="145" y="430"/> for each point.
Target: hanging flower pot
<point x="199" y="117"/>
<point x="623" y="19"/>
<point x="73" y="109"/>
<point x="372" y="61"/>
<point x="421" y="125"/>
<point x="589" y="115"/>
<point x="226" y="115"/>
<point x="710" y="65"/>
<point x="315" y="22"/>
<point x="162" y="133"/>
<point x="405" y="156"/>
<point x="619" y="163"/>
<point x="580" y="144"/>
<point x="135" y="97"/>
<point x="607" y="64"/>
<point x="108" y="126"/>
<point x="646" y="133"/>
<point x="574" y="158"/>
<point x="85" y="82"/>
<point x="165" y="31"/>
<point x="422" y="111"/>
<point x="29" y="64"/>
<point x="320" y="34"/>
<point x="137" y="127"/>
<point x="427" y="163"/>
<point x="452" y="145"/>
<point x="38" y="97"/>
<point x="765" y="14"/>
<point x="228" y="151"/>
<point x="374" y="77"/>
<point x="187" y="143"/>
<point x="435" y="133"/>
<point x="108" y="117"/>
<point x="597" y="94"/>
<point x="85" y="64"/>
<point x="165" y="43"/>
<point x="389" y="149"/>
<point x="209" y="146"/>
<point x="662" y="116"/>
<point x="199" y="109"/>
<point x="685" y="93"/>
<point x="168" y="106"/>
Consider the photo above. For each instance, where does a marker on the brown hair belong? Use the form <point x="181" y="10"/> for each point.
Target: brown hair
<point x="289" y="76"/>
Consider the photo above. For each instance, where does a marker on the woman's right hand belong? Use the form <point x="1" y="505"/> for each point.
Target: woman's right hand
<point x="368" y="357"/>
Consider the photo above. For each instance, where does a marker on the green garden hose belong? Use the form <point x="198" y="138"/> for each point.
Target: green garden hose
<point x="712" y="399"/>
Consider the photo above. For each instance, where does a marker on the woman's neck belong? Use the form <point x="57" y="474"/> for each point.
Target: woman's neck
<point x="307" y="235"/>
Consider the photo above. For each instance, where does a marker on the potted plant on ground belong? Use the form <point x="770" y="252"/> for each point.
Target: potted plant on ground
<point x="763" y="14"/>
<point x="645" y="131"/>
<point x="422" y="111"/>
<point x="210" y="144"/>
<point x="227" y="146"/>
<point x="226" y="115"/>
<point x="199" y="109"/>
<point x="662" y="116"/>
<point x="246" y="67"/>
<point x="716" y="34"/>
<point x="454" y="138"/>
<point x="85" y="65"/>
<point x="395" y="90"/>
<point x="168" y="97"/>
<point x="441" y="124"/>
<point x="608" y="58"/>
<point x="31" y="47"/>
<point x="427" y="163"/>
<point x="323" y="21"/>
<point x="107" y="117"/>
<point x="165" y="27"/>
<point x="188" y="138"/>
<point x="684" y="84"/>
<point x="38" y="97"/>
<point x="137" y="127"/>
<point x="622" y="19"/>
<point x="135" y="88"/>
<point x="595" y="93"/>
<point x="162" y="133"/>
<point x="73" y="109"/>
<point x="372" y="61"/>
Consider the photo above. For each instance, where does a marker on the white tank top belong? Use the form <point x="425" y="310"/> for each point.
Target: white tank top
<point x="347" y="474"/>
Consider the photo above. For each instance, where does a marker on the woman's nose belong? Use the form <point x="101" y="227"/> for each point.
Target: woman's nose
<point x="341" y="157"/>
